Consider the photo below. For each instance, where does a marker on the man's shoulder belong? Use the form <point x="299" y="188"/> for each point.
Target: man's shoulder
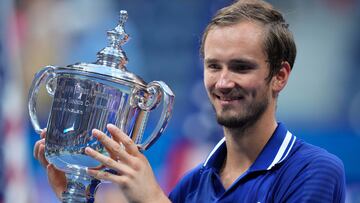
<point x="313" y="156"/>
<point x="187" y="184"/>
<point x="310" y="173"/>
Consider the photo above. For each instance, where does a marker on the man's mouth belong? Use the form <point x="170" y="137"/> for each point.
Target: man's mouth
<point x="228" y="99"/>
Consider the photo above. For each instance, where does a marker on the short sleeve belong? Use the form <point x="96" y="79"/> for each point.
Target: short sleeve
<point x="321" y="180"/>
<point x="185" y="185"/>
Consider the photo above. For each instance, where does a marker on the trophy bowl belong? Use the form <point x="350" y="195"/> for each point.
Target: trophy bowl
<point x="89" y="96"/>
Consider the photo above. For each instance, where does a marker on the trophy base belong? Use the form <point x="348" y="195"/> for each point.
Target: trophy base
<point x="80" y="188"/>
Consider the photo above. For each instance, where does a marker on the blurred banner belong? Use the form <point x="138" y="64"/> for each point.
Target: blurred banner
<point x="14" y="143"/>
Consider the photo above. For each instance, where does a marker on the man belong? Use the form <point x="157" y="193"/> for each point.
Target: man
<point x="248" y="54"/>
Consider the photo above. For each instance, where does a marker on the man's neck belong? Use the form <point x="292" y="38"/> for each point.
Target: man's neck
<point x="244" y="146"/>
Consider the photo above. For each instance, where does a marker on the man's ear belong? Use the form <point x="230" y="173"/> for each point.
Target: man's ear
<point x="281" y="78"/>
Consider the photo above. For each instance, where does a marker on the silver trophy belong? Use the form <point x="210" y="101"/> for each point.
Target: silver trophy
<point x="88" y="96"/>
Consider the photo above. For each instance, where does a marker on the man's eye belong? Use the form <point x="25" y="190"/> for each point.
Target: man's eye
<point x="241" y="68"/>
<point x="213" y="66"/>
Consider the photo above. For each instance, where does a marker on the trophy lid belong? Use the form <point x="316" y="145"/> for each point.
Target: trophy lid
<point x="112" y="59"/>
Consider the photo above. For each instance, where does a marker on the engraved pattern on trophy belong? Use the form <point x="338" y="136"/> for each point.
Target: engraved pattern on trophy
<point x="81" y="105"/>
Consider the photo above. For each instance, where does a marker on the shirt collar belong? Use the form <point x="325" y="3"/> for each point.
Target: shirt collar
<point x="274" y="152"/>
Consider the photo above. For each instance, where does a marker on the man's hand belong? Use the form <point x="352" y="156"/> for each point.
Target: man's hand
<point x="56" y="178"/>
<point x="134" y="174"/>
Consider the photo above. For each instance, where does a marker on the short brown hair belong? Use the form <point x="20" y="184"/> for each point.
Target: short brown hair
<point x="279" y="45"/>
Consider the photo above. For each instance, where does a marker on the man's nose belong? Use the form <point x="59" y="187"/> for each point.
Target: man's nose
<point x="225" y="81"/>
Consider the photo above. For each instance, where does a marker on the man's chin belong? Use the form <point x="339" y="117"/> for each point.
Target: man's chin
<point x="230" y="122"/>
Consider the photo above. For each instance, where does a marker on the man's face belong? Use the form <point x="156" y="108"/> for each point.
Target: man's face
<point x="235" y="73"/>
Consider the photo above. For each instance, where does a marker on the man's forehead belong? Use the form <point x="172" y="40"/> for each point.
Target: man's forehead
<point x="234" y="40"/>
<point x="244" y="25"/>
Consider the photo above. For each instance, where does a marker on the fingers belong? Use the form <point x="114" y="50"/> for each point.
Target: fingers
<point x="36" y="147"/>
<point x="39" y="149"/>
<point x="43" y="133"/>
<point x="39" y="152"/>
<point x="41" y="156"/>
<point x="121" y="137"/>
<point x="114" y="148"/>
<point x="122" y="152"/>
<point x="108" y="161"/>
<point x="103" y="175"/>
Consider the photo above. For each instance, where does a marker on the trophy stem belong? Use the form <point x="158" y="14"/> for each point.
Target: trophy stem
<point x="80" y="188"/>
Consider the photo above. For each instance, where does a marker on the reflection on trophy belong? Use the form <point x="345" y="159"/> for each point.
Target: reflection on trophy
<point x="88" y="96"/>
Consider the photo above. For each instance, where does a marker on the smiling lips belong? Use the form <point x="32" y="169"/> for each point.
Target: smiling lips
<point x="228" y="99"/>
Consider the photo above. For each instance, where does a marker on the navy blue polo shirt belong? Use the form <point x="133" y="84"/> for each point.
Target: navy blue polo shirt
<point x="286" y="170"/>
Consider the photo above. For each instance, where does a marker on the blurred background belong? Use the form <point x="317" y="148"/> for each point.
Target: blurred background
<point x="321" y="103"/>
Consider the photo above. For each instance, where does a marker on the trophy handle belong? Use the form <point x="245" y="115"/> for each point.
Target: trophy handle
<point x="158" y="90"/>
<point x="47" y="75"/>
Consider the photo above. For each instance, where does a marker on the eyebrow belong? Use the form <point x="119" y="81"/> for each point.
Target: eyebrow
<point x="247" y="62"/>
<point x="210" y="60"/>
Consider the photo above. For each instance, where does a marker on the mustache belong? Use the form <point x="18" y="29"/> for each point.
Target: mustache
<point x="233" y="93"/>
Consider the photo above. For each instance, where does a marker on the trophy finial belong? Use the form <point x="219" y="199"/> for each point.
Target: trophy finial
<point x="123" y="17"/>
<point x="113" y="55"/>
